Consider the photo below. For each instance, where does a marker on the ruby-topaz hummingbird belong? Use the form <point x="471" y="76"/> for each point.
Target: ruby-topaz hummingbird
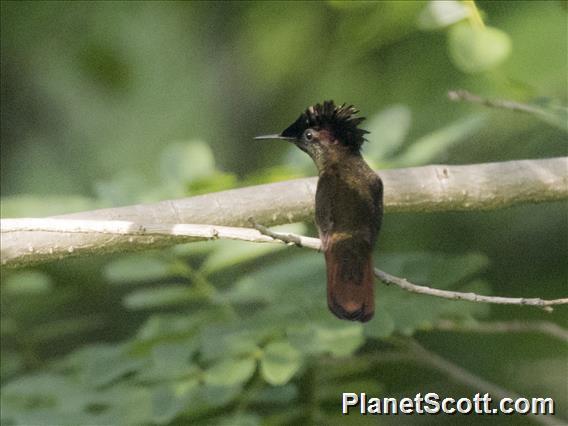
<point x="349" y="203"/>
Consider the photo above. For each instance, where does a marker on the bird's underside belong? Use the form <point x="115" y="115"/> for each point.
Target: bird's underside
<point x="348" y="219"/>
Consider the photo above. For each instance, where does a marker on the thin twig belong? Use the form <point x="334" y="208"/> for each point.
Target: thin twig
<point x="470" y="297"/>
<point x="463" y="376"/>
<point x="545" y="327"/>
<point x="464" y="95"/>
<point x="290" y="239"/>
<point x="133" y="233"/>
<point x="445" y="294"/>
<point x="455" y="371"/>
<point x="192" y="232"/>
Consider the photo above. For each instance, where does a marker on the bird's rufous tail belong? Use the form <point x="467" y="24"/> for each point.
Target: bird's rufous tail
<point x="350" y="283"/>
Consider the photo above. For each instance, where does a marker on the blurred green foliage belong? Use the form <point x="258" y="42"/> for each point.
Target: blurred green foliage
<point x="110" y="103"/>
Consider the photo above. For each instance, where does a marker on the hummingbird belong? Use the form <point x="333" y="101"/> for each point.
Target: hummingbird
<point x="348" y="204"/>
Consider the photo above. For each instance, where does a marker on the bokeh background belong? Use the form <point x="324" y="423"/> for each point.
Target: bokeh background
<point x="114" y="103"/>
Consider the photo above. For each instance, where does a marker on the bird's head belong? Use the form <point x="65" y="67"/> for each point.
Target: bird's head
<point x="325" y="132"/>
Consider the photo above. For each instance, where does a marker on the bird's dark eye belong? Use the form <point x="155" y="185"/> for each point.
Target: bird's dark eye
<point x="309" y="135"/>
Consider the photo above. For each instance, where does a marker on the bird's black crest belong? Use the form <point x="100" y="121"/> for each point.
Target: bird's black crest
<point x="339" y="120"/>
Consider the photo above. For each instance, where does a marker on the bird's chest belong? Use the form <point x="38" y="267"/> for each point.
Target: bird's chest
<point x="343" y="203"/>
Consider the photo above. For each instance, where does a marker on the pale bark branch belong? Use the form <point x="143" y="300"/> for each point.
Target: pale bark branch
<point x="419" y="189"/>
<point x="179" y="233"/>
<point x="149" y="233"/>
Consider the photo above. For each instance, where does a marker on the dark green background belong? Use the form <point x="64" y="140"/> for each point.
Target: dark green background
<point x="114" y="103"/>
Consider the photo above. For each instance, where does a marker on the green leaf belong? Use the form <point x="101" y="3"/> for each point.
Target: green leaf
<point x="292" y="282"/>
<point x="123" y="189"/>
<point x="279" y="173"/>
<point x="12" y="363"/>
<point x="166" y="295"/>
<point x="279" y="362"/>
<point x="352" y="4"/>
<point x="137" y="267"/>
<point x="284" y="394"/>
<point x="448" y="272"/>
<point x="165" y="406"/>
<point x="225" y="340"/>
<point x="57" y="329"/>
<point x="27" y="283"/>
<point x="550" y="111"/>
<point x="232" y="253"/>
<point x="230" y="372"/>
<point x="475" y="49"/>
<point x="217" y="181"/>
<point x="212" y="396"/>
<point x="8" y="327"/>
<point x="170" y="360"/>
<point x="167" y="326"/>
<point x="102" y="364"/>
<point x="338" y="338"/>
<point x="434" y="269"/>
<point x="168" y="401"/>
<point x="121" y="403"/>
<point x="348" y="382"/>
<point x="429" y="147"/>
<point x="56" y="399"/>
<point x="382" y="325"/>
<point x="45" y="398"/>
<point x="198" y="249"/>
<point x="409" y="311"/>
<point x="392" y="124"/>
<point x="240" y="419"/>
<point x="440" y="14"/>
<point x="468" y="311"/>
<point x="186" y="162"/>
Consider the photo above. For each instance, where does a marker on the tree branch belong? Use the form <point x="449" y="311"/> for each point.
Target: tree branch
<point x="464" y="95"/>
<point x="470" y="297"/>
<point x="444" y="294"/>
<point x="153" y="235"/>
<point x="178" y="233"/>
<point x="419" y="189"/>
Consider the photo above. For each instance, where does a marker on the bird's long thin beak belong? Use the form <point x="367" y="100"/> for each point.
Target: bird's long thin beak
<point x="273" y="137"/>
